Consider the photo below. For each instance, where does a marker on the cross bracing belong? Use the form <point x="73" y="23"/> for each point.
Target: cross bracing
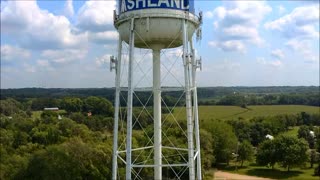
<point x="141" y="149"/>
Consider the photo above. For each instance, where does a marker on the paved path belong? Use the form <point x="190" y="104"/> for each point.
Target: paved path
<point x="220" y="175"/>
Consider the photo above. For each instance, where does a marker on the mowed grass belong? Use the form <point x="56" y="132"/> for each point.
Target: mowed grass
<point x="277" y="173"/>
<point x="234" y="112"/>
<point x="292" y="132"/>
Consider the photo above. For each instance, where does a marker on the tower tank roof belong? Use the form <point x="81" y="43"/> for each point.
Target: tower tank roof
<point x="133" y="5"/>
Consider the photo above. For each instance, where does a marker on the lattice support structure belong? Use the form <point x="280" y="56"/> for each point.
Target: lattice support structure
<point x="127" y="157"/>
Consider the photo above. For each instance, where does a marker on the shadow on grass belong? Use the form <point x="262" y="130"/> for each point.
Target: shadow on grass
<point x="272" y="173"/>
<point x="230" y="168"/>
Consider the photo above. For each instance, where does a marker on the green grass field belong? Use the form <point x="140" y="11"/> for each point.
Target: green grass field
<point x="292" y="132"/>
<point x="234" y="112"/>
<point x="277" y="173"/>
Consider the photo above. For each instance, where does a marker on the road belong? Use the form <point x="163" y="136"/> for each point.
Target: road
<point x="221" y="175"/>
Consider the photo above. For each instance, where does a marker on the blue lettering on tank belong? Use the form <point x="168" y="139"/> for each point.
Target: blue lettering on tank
<point x="131" y="5"/>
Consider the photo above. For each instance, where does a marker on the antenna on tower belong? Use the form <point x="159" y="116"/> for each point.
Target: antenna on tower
<point x="199" y="63"/>
<point x="199" y="30"/>
<point x="113" y="63"/>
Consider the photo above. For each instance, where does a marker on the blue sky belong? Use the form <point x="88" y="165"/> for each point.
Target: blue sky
<point x="67" y="44"/>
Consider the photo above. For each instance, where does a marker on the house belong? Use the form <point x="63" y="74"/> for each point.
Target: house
<point x="51" y="109"/>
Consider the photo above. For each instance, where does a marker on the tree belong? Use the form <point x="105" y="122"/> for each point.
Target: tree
<point x="224" y="140"/>
<point x="258" y="131"/>
<point x="73" y="159"/>
<point x="207" y="152"/>
<point x="286" y="150"/>
<point x="40" y="103"/>
<point x="291" y="150"/>
<point x="72" y="104"/>
<point x="313" y="157"/>
<point x="9" y="107"/>
<point x="238" y="100"/>
<point x="98" y="105"/>
<point x="78" y="117"/>
<point x="245" y="152"/>
<point x="304" y="132"/>
<point x="241" y="128"/>
<point x="20" y="138"/>
<point x="267" y="154"/>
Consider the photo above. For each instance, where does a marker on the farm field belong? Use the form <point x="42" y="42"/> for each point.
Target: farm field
<point x="234" y="112"/>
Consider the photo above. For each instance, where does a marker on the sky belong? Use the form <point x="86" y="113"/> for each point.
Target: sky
<point x="67" y="44"/>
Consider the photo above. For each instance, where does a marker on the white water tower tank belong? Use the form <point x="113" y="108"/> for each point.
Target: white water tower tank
<point x="158" y="22"/>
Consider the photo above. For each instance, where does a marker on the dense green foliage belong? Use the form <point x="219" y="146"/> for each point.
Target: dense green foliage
<point x="286" y="150"/>
<point x="70" y="144"/>
<point x="52" y="148"/>
<point x="224" y="140"/>
<point x="255" y="129"/>
<point x="245" y="152"/>
<point x="305" y="133"/>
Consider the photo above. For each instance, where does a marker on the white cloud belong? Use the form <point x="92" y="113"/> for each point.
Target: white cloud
<point x="96" y="19"/>
<point x="237" y="23"/>
<point x="224" y="65"/>
<point x="68" y="8"/>
<point x="103" y="37"/>
<point x="12" y="53"/>
<point x="220" y="12"/>
<point x="35" y="28"/>
<point x="300" y="27"/>
<point x="275" y="63"/>
<point x="300" y="23"/>
<point x="58" y="57"/>
<point x="103" y="60"/>
<point x="295" y="45"/>
<point x="281" y="9"/>
<point x="311" y="57"/>
<point x="29" y="68"/>
<point x="96" y="16"/>
<point x="231" y="45"/>
<point x="208" y="14"/>
<point x="303" y="47"/>
<point x="43" y="63"/>
<point x="277" y="53"/>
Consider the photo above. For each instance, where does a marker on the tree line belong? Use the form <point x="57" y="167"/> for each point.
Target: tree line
<point x="239" y="96"/>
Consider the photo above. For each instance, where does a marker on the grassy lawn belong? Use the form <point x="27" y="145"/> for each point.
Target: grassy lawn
<point x="234" y="112"/>
<point x="277" y="173"/>
<point x="292" y="132"/>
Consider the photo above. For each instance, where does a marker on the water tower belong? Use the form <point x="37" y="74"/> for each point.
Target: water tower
<point x="157" y="25"/>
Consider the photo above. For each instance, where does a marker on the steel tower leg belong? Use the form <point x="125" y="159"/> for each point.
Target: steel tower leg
<point x="129" y="103"/>
<point x="186" y="61"/>
<point x="116" y="111"/>
<point x="157" y="114"/>
<point x="195" y="111"/>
